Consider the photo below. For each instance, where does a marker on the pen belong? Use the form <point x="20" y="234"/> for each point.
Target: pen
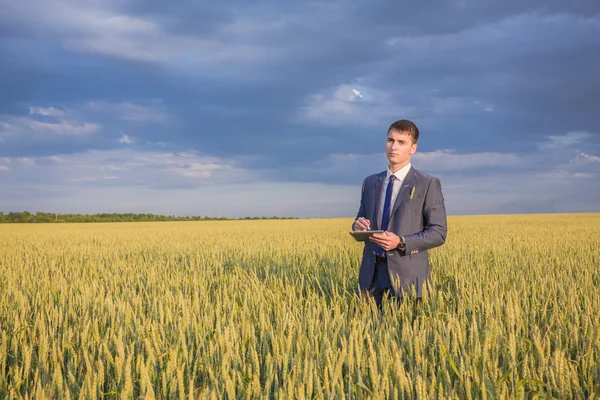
<point x="368" y="226"/>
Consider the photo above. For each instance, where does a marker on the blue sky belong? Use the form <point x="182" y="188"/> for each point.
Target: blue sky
<point x="183" y="108"/>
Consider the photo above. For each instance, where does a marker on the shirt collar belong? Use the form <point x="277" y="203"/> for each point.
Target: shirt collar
<point x="400" y="174"/>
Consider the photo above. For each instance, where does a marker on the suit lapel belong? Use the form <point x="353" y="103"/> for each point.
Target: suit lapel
<point x="407" y="184"/>
<point x="377" y="193"/>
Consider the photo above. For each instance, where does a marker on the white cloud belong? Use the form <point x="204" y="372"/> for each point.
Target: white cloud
<point x="105" y="28"/>
<point x="23" y="127"/>
<point x="83" y="179"/>
<point x="163" y="182"/>
<point x="112" y="168"/>
<point x="137" y="167"/>
<point x="3" y="168"/>
<point x="558" y="30"/>
<point x="87" y="179"/>
<point x="519" y="192"/>
<point x="569" y="139"/>
<point x="589" y="157"/>
<point x="28" y="161"/>
<point x="443" y="160"/>
<point x="125" y="139"/>
<point x="503" y="192"/>
<point x="49" y="111"/>
<point x="232" y="199"/>
<point x="199" y="170"/>
<point x="438" y="160"/>
<point x="67" y="128"/>
<point x="189" y="182"/>
<point x="186" y="154"/>
<point x="129" y="112"/>
<point x="561" y="174"/>
<point x="342" y="106"/>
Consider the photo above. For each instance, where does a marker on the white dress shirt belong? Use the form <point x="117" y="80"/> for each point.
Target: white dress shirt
<point x="400" y="176"/>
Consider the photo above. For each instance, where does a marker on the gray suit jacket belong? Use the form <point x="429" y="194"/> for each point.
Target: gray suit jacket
<point x="420" y="220"/>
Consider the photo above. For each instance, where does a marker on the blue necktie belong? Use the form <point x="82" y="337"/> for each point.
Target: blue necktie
<point x="385" y="217"/>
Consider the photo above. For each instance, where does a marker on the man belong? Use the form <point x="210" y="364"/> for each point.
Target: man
<point x="408" y="206"/>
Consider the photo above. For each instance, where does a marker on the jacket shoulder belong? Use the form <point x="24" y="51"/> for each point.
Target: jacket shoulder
<point x="370" y="180"/>
<point x="374" y="177"/>
<point x="425" y="177"/>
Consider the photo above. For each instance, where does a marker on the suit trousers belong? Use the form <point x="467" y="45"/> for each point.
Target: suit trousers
<point x="381" y="283"/>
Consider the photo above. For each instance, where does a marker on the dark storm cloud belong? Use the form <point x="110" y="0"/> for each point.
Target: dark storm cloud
<point x="327" y="45"/>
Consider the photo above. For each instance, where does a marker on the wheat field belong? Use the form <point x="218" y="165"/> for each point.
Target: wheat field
<point x="266" y="309"/>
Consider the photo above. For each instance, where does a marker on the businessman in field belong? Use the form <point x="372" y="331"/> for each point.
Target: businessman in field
<point x="408" y="206"/>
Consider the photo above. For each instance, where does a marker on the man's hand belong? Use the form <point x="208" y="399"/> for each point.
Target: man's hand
<point x="361" y="224"/>
<point x="387" y="240"/>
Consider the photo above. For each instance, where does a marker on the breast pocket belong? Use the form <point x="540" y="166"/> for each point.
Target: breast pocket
<point x="411" y="215"/>
<point x="414" y="205"/>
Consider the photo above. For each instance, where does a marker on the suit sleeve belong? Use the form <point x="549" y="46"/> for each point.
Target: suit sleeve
<point x="361" y="209"/>
<point x="434" y="221"/>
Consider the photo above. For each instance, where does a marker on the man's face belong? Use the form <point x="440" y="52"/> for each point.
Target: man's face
<point x="399" y="147"/>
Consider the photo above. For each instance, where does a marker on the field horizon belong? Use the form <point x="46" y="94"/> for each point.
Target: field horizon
<point x="197" y="218"/>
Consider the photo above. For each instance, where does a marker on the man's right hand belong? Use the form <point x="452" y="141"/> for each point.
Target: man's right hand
<point x="361" y="224"/>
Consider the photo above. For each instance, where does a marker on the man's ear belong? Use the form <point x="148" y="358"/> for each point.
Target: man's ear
<point x="413" y="148"/>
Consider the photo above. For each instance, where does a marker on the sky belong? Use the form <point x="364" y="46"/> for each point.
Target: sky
<point x="271" y="108"/>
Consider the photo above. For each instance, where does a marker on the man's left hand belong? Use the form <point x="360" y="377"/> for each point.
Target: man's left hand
<point x="387" y="240"/>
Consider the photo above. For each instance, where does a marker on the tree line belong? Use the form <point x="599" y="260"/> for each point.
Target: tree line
<point x="43" y="217"/>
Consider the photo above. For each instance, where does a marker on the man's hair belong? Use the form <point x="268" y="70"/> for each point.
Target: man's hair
<point x="407" y="126"/>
